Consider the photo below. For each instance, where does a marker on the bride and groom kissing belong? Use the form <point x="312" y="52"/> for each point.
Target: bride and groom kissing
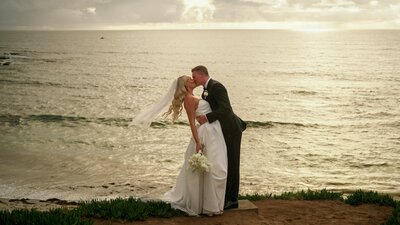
<point x="218" y="135"/>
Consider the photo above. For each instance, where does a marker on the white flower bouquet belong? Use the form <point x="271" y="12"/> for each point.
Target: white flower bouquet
<point x="198" y="162"/>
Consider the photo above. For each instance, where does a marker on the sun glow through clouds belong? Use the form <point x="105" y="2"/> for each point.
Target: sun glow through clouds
<point x="91" y="10"/>
<point x="198" y="10"/>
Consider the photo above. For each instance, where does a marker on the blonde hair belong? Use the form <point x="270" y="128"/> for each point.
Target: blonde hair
<point x="176" y="105"/>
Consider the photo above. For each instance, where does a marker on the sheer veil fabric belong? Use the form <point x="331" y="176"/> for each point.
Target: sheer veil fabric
<point x="146" y="116"/>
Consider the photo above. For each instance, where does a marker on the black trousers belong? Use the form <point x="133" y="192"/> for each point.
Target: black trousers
<point x="233" y="151"/>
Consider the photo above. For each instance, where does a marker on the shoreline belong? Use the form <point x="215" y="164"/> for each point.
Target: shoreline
<point x="38" y="204"/>
<point x="53" y="203"/>
<point x="269" y="211"/>
<point x="313" y="207"/>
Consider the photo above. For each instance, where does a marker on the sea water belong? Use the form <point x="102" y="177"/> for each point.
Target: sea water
<point x="323" y="109"/>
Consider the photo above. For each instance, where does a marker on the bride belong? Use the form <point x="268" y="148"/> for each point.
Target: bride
<point x="194" y="192"/>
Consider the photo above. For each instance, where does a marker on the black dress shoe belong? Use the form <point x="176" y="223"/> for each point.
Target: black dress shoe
<point x="231" y="205"/>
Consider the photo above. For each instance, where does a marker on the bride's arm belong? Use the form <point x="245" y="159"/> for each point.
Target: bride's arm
<point x="190" y="107"/>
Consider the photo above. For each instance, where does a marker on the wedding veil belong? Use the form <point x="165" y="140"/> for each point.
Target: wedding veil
<point x="146" y="116"/>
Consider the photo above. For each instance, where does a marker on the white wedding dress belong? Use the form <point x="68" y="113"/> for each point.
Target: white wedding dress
<point x="202" y="193"/>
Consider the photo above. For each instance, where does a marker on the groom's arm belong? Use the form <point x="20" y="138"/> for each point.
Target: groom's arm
<point x="224" y="106"/>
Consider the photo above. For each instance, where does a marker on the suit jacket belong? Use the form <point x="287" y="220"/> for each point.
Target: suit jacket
<point x="222" y="110"/>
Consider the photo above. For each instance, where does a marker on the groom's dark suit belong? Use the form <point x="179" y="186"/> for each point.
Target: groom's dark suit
<point x="232" y="128"/>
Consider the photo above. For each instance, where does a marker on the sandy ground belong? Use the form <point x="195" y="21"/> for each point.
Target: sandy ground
<point x="270" y="212"/>
<point x="274" y="212"/>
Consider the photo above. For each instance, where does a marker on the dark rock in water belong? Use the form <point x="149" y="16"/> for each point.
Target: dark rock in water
<point x="60" y="202"/>
<point x="7" y="63"/>
<point x="102" y="38"/>
<point x="5" y="59"/>
<point x="23" y="200"/>
<point x="5" y="56"/>
<point x="52" y="200"/>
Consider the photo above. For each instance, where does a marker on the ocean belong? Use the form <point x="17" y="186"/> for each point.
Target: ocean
<point x="323" y="110"/>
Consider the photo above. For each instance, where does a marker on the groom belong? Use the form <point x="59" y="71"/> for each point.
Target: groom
<point x="232" y="127"/>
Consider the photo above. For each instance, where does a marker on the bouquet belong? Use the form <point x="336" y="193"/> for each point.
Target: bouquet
<point x="198" y="162"/>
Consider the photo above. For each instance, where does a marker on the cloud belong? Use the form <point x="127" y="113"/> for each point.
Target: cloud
<point x="87" y="14"/>
<point x="336" y="13"/>
<point x="198" y="10"/>
<point x="90" y="10"/>
<point x="373" y="3"/>
<point x="140" y="11"/>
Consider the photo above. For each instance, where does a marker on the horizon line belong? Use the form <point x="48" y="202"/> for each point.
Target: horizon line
<point x="204" y="29"/>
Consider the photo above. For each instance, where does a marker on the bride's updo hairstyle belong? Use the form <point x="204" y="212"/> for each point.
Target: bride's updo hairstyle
<point x="176" y="105"/>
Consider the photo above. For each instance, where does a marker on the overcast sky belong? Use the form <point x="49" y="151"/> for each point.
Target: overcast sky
<point x="198" y="14"/>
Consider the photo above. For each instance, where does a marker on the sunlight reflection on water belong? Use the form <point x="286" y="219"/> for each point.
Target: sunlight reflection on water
<point x="324" y="110"/>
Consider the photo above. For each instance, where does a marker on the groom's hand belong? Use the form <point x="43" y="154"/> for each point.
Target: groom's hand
<point x="202" y="119"/>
